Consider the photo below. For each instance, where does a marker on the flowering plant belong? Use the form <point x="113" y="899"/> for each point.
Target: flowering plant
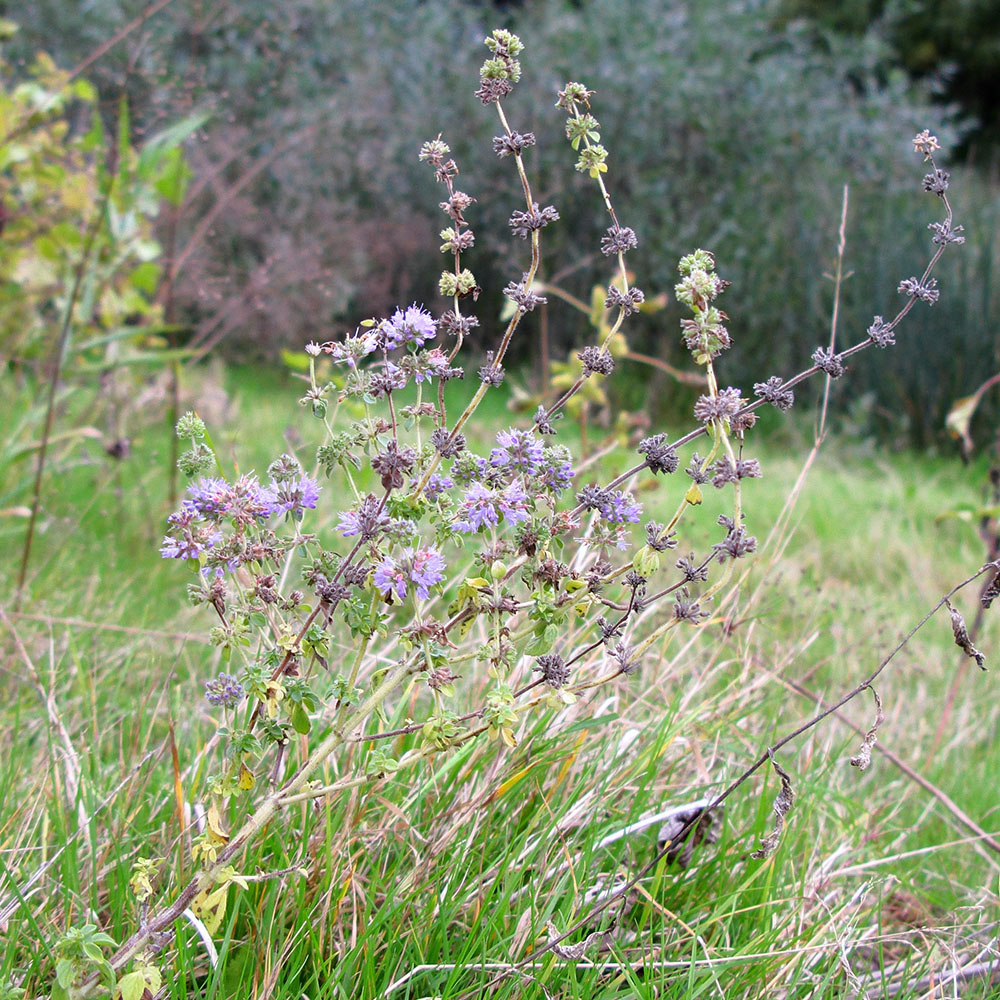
<point x="506" y="557"/>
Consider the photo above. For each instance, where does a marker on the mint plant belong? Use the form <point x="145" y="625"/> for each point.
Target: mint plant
<point x="451" y="557"/>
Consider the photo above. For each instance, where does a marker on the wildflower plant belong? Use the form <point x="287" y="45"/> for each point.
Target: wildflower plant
<point x="512" y="562"/>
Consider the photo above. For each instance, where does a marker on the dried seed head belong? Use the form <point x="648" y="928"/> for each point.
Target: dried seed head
<point x="962" y="639"/>
<point x="863" y="757"/>
<point x="992" y="590"/>
<point x="781" y="808"/>
<point x="553" y="669"/>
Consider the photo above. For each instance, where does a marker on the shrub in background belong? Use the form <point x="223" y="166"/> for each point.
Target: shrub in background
<point x="80" y="325"/>
<point x="722" y="125"/>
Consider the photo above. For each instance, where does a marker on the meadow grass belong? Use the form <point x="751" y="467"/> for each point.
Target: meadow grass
<point x="464" y="861"/>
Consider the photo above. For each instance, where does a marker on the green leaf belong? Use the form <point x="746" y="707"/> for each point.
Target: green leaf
<point x="65" y="973"/>
<point x="543" y="641"/>
<point x="298" y="361"/>
<point x="132" y="986"/>
<point x="84" y="90"/>
<point x="94" y="137"/>
<point x="146" y="277"/>
<point x="157" y="147"/>
<point x="124" y="136"/>
<point x="300" y="720"/>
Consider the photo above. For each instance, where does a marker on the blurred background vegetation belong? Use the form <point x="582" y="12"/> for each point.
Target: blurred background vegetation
<point x="732" y="126"/>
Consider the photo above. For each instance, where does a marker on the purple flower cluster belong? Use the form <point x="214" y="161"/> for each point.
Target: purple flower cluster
<point x="622" y="509"/>
<point x="352" y="348"/>
<point x="517" y="451"/>
<point x="423" y="568"/>
<point x="210" y="499"/>
<point x="294" y="496"/>
<point x="194" y="540"/>
<point x="557" y="469"/>
<point x="483" y="506"/>
<point x="426" y="365"/>
<point x="615" y="506"/>
<point x="244" y="502"/>
<point x="436" y="485"/>
<point x="224" y="690"/>
<point x="367" y="520"/>
<point x="412" y="326"/>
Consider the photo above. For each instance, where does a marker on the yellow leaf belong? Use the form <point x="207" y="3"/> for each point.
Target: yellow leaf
<point x="247" y="779"/>
<point x="210" y="908"/>
<point x="567" y="764"/>
<point x="216" y="832"/>
<point x="598" y="297"/>
<point x="513" y="780"/>
<point x="230" y="874"/>
<point x="617" y="345"/>
<point x="959" y="420"/>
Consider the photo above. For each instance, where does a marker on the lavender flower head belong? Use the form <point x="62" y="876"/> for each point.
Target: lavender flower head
<point x="438" y="484"/>
<point x="353" y="347"/>
<point x="557" y="469"/>
<point x="293" y="497"/>
<point x="517" y="451"/>
<point x="620" y="508"/>
<point x="478" y="508"/>
<point x="414" y="326"/>
<point x="483" y="506"/>
<point x="224" y="690"/>
<point x="193" y="543"/>
<point x="207" y="499"/>
<point x="423" y="568"/>
<point x="244" y="501"/>
<point x="514" y="503"/>
<point x="367" y="520"/>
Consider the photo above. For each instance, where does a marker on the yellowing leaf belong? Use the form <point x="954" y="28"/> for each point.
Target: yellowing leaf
<point x="959" y="419"/>
<point x="598" y="297"/>
<point x="515" y="779"/>
<point x="960" y="415"/>
<point x="247" y="780"/>
<point x="216" y="832"/>
<point x="210" y="908"/>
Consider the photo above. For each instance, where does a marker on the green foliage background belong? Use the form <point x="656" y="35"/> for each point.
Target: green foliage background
<point x="730" y="126"/>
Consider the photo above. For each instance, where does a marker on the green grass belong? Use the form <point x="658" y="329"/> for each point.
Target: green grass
<point x="463" y="861"/>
